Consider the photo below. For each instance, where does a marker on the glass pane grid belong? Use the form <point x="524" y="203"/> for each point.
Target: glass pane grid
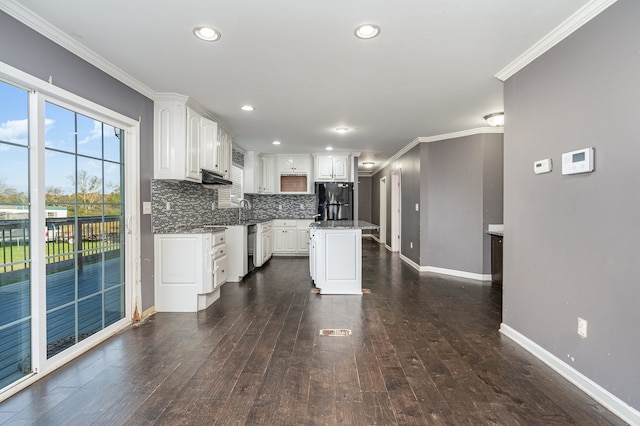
<point x="85" y="237"/>
<point x="15" y="260"/>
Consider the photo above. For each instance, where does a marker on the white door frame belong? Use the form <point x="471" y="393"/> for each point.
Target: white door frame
<point x="396" y="210"/>
<point x="383" y="211"/>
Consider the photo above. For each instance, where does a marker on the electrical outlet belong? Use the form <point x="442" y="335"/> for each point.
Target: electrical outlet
<point x="582" y="327"/>
<point x="167" y="206"/>
<point x="417" y="207"/>
<point x="411" y="244"/>
<point x="213" y="206"/>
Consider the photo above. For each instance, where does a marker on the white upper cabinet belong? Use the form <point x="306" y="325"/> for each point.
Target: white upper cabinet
<point x="268" y="183"/>
<point x="334" y="167"/>
<point x="194" y="139"/>
<point x="252" y="171"/>
<point x="297" y="164"/>
<point x="223" y="153"/>
<point x="259" y="173"/>
<point x="209" y="130"/>
<point x="185" y="141"/>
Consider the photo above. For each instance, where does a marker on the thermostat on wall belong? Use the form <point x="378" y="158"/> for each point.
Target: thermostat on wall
<point x="542" y="166"/>
<point x="580" y="161"/>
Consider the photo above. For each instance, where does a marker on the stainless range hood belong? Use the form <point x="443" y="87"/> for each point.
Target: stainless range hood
<point x="209" y="177"/>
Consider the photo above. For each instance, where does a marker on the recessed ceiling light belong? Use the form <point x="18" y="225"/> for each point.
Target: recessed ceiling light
<point x="247" y="108"/>
<point x="343" y="129"/>
<point x="329" y="148"/>
<point x="366" y="31"/>
<point x="276" y="142"/>
<point x="207" y="33"/>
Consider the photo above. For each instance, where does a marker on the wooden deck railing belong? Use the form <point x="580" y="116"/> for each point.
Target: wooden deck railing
<point x="66" y="239"/>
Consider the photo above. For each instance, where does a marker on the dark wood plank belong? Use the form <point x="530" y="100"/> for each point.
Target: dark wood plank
<point x="424" y="349"/>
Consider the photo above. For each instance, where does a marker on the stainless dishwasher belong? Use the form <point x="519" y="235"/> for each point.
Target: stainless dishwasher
<point x="251" y="246"/>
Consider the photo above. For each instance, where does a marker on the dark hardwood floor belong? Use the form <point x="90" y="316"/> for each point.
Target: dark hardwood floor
<point x="424" y="349"/>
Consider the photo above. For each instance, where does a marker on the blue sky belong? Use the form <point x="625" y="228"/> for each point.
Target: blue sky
<point x="60" y="134"/>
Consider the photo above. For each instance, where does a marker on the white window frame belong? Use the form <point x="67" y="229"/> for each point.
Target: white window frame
<point x="39" y="93"/>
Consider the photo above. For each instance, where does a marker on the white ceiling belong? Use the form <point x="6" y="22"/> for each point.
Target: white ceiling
<point x="431" y="70"/>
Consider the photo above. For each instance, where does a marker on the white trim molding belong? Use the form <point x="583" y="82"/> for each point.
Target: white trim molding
<point x="436" y="138"/>
<point x="36" y="23"/>
<point x="455" y="273"/>
<point x="588" y="386"/>
<point x="444" y="271"/>
<point x="562" y="31"/>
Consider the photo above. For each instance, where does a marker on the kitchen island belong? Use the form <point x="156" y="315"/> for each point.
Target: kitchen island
<point x="335" y="255"/>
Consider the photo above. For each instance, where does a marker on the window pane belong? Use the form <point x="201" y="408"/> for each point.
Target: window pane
<point x="14" y="125"/>
<point x="89" y="137"/>
<point x="111" y="137"/>
<point x="60" y="128"/>
<point x="14" y="178"/>
<point x="59" y="177"/>
<point x="15" y="258"/>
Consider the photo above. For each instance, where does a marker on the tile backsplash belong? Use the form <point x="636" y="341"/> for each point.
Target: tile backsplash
<point x="177" y="205"/>
<point x="283" y="205"/>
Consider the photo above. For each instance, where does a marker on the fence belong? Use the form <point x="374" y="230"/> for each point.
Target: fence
<point x="66" y="239"/>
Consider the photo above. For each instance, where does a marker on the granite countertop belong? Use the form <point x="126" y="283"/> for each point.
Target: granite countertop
<point x="217" y="227"/>
<point x="344" y="224"/>
<point x="496" y="233"/>
<point x="195" y="229"/>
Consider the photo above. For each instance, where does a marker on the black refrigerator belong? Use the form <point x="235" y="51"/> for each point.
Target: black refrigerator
<point x="334" y="200"/>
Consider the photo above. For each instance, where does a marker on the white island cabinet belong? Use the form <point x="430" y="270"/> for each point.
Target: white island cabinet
<point x="335" y="256"/>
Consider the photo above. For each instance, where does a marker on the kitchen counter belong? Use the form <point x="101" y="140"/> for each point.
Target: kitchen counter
<point x="344" y="224"/>
<point x="195" y="229"/>
<point x="215" y="227"/>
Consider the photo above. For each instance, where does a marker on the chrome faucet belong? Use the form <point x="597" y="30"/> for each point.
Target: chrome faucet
<point x="244" y="204"/>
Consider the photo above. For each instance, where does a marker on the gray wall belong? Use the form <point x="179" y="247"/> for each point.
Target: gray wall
<point x="364" y="198"/>
<point x="572" y="243"/>
<point x="409" y="167"/>
<point x="464" y="194"/>
<point x="34" y="54"/>
<point x="458" y="185"/>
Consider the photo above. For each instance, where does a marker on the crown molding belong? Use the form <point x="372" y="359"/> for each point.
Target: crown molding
<point x="564" y="30"/>
<point x="36" y="23"/>
<point x="445" y="136"/>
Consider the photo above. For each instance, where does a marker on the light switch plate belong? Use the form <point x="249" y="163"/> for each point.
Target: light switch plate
<point x="146" y="207"/>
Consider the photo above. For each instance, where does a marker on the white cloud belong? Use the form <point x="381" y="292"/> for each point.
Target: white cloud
<point x="95" y="133"/>
<point x="16" y="131"/>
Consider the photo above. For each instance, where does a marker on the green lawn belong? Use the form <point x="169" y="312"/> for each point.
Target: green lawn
<point x="55" y="252"/>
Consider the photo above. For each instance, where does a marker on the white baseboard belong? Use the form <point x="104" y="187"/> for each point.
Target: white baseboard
<point x="588" y="386"/>
<point x="443" y="271"/>
<point x="409" y="262"/>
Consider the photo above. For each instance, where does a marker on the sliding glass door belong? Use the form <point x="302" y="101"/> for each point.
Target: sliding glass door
<point x="63" y="232"/>
<point x="85" y="215"/>
<point x="15" y="261"/>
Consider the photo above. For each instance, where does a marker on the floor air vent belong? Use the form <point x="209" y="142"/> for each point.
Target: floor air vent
<point x="335" y="332"/>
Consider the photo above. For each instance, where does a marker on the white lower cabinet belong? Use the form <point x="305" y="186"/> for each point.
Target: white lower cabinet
<point x="189" y="270"/>
<point x="237" y="252"/>
<point x="291" y="237"/>
<point x="335" y="261"/>
<point x="264" y="242"/>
